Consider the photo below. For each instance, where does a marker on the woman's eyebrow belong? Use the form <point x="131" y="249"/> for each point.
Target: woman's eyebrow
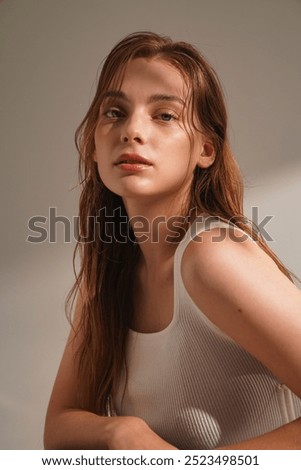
<point x="115" y="94"/>
<point x="163" y="97"/>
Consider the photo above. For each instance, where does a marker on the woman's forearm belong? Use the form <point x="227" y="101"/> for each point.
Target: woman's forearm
<point x="76" y="429"/>
<point x="79" y="429"/>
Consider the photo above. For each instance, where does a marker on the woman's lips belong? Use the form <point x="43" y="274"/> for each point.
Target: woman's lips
<point x="132" y="162"/>
<point x="132" y="159"/>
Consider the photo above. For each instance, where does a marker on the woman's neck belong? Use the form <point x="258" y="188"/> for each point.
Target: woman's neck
<point x="158" y="229"/>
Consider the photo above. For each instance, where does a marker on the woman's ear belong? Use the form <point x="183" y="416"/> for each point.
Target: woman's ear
<point x="207" y="155"/>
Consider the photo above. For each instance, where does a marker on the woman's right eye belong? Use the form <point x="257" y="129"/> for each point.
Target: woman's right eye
<point x="113" y="113"/>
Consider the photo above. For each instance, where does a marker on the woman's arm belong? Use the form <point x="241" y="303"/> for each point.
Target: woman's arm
<point x="242" y="291"/>
<point x="68" y="426"/>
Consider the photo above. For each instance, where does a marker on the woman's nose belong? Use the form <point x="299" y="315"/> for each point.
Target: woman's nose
<point x="133" y="130"/>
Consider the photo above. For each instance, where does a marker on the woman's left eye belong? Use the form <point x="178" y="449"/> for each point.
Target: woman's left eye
<point x="166" y="117"/>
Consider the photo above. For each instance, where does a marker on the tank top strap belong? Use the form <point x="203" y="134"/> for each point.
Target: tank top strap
<point x="201" y="224"/>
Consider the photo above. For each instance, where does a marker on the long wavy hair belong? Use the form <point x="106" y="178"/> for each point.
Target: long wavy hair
<point x="107" y="262"/>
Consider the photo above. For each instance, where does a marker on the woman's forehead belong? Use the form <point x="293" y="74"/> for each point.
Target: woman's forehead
<point x="148" y="74"/>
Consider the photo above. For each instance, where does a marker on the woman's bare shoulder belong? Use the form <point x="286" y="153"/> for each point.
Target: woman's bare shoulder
<point x="242" y="291"/>
<point x="223" y="248"/>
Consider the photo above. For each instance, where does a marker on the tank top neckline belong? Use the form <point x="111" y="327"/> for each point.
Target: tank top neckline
<point x="197" y="226"/>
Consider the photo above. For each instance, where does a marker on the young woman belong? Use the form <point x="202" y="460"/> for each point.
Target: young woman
<point x="187" y="328"/>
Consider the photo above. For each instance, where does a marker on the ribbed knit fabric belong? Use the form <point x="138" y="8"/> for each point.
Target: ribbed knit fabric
<point x="194" y="385"/>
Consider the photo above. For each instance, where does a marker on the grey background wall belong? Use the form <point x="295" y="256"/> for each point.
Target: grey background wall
<point x="50" y="54"/>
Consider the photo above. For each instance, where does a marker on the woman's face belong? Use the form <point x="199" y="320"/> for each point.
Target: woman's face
<point x="142" y="148"/>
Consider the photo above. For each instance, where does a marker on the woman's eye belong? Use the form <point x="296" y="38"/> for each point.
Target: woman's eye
<point x="113" y="113"/>
<point x="166" y="117"/>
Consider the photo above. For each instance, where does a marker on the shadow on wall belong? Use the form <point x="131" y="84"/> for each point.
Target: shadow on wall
<point x="277" y="197"/>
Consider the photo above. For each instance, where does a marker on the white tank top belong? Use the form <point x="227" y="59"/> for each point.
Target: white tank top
<point x="193" y="385"/>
